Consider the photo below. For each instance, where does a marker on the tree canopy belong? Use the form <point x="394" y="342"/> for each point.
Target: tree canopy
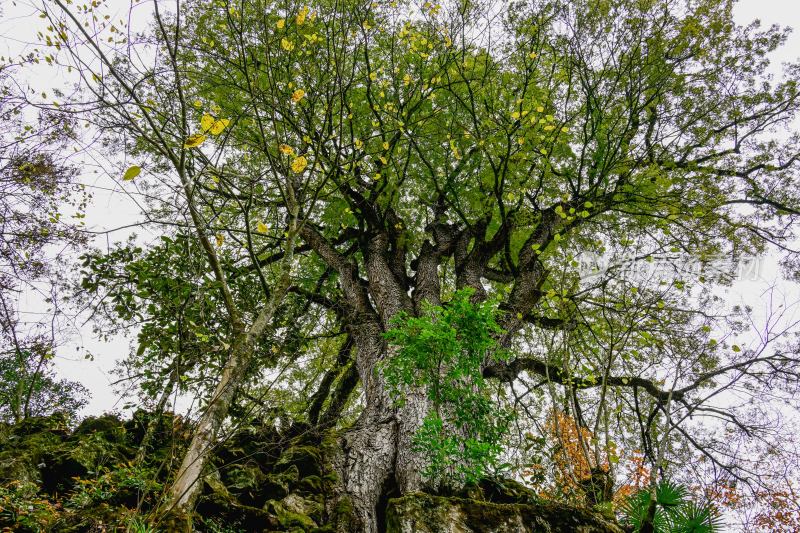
<point x="463" y="234"/>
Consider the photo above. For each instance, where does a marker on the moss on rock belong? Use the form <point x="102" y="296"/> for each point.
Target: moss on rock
<point x="424" y="513"/>
<point x="307" y="458"/>
<point x="88" y="480"/>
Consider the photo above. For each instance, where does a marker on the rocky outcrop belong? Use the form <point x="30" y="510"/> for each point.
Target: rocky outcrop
<point x="260" y="480"/>
<point x="424" y="513"/>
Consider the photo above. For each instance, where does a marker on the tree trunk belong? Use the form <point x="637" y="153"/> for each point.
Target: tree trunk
<point x="410" y="463"/>
<point x="366" y="471"/>
<point x="187" y="484"/>
<point x="378" y="460"/>
<point x="377" y="457"/>
<point x="369" y="449"/>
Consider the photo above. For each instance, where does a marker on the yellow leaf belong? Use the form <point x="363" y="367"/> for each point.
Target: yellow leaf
<point x="287" y="45"/>
<point x="220" y="239"/>
<point x="219" y="126"/>
<point x="359" y="144"/>
<point x="261" y="227"/>
<point x="532" y="55"/>
<point x="286" y="149"/>
<point x="281" y="23"/>
<point x="385" y="146"/>
<point x="298" y="95"/>
<point x="539" y="109"/>
<point x="206" y="122"/>
<point x="454" y="148"/>
<point x="299" y="164"/>
<point x="198" y="104"/>
<point x="193" y="141"/>
<point x="131" y="173"/>
<point x="515" y="115"/>
<point x="300" y="19"/>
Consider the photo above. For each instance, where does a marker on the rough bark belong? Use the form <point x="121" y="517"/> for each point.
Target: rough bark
<point x="365" y="469"/>
<point x="378" y="453"/>
<point x="389" y="290"/>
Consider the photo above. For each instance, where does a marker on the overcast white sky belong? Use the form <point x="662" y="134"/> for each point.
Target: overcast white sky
<point x="112" y="209"/>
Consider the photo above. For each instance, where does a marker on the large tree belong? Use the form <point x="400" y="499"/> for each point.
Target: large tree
<point x="379" y="159"/>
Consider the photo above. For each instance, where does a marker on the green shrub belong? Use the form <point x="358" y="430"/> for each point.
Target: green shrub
<point x="443" y="352"/>
<point x="119" y="485"/>
<point x="23" y="509"/>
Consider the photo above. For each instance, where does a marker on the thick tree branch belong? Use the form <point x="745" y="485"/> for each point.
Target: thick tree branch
<point x="507" y="372"/>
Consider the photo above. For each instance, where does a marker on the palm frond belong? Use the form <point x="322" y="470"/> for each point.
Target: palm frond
<point x="634" y="509"/>
<point x="669" y="494"/>
<point x="693" y="517"/>
<point x="674" y="512"/>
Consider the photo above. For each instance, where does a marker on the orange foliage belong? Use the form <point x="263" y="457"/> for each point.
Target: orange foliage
<point x="573" y="461"/>
<point x="776" y="510"/>
<point x="724" y="494"/>
<point x="638" y="476"/>
<point x="572" y="458"/>
<point x="779" y="510"/>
